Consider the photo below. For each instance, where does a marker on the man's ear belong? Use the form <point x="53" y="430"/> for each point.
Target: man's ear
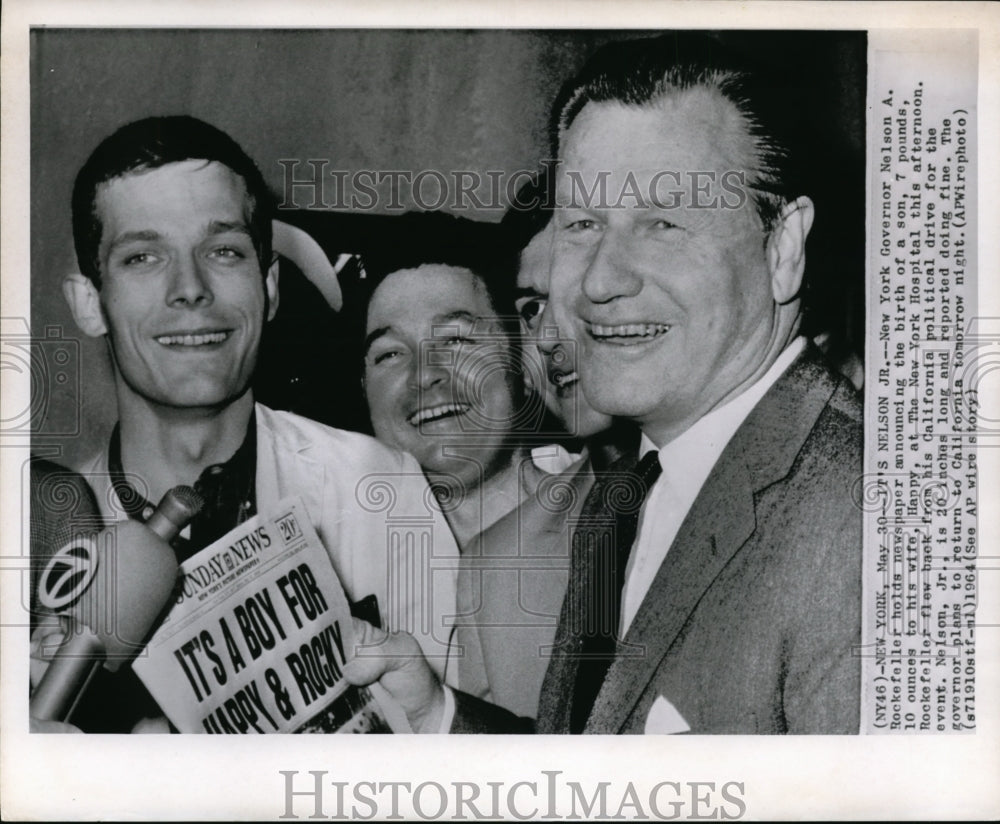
<point x="85" y="303"/>
<point x="271" y="288"/>
<point x="786" y="249"/>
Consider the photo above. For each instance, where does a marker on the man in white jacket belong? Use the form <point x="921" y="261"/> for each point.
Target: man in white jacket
<point x="172" y="226"/>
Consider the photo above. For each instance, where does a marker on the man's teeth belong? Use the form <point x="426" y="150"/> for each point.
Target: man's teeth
<point x="433" y="413"/>
<point x="628" y="330"/>
<point x="192" y="340"/>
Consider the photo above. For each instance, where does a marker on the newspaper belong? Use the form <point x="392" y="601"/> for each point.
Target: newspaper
<point x="258" y="636"/>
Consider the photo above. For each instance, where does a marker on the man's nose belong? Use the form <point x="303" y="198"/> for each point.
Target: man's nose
<point x="432" y="370"/>
<point x="609" y="274"/>
<point x="189" y="283"/>
<point x="547" y="335"/>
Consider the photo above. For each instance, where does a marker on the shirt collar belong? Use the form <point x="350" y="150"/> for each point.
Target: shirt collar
<point x="553" y="459"/>
<point x="691" y="455"/>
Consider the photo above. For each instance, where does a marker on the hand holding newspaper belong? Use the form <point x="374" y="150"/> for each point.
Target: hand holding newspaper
<point x="258" y="636"/>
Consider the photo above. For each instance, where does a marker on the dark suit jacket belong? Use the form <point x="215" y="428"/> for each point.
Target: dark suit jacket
<point x="753" y="621"/>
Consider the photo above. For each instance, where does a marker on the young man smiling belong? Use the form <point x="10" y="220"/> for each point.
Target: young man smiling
<point x="172" y="225"/>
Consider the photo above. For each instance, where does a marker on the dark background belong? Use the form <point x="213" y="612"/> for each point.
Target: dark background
<point x="368" y="99"/>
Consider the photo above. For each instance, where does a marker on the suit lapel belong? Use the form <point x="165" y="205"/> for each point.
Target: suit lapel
<point x="704" y="545"/>
<point x="283" y="469"/>
<point x="720" y="522"/>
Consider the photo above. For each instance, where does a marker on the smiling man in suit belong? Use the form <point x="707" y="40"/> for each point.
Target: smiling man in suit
<point x="722" y="593"/>
<point x="740" y="605"/>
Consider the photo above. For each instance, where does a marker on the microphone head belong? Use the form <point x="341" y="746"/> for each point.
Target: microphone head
<point x="181" y="504"/>
<point x="136" y="574"/>
<point x="175" y="511"/>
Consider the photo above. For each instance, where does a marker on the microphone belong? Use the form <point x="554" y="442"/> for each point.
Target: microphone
<point x="63" y="507"/>
<point x="124" y="578"/>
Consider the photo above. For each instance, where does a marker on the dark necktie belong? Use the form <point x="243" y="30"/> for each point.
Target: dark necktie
<point x="617" y="500"/>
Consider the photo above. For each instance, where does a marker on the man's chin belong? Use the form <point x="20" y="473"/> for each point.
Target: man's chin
<point x="629" y="400"/>
<point x="615" y="390"/>
<point x="207" y="395"/>
<point x="198" y="403"/>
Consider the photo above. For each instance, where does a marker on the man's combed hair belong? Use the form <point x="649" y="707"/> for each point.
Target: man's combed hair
<point x="423" y="238"/>
<point x="641" y="72"/>
<point x="149" y="144"/>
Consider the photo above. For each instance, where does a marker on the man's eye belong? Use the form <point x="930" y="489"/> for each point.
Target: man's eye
<point x="229" y="253"/>
<point x="137" y="259"/>
<point x="455" y="340"/>
<point x="530" y="309"/>
<point x="383" y="357"/>
<point x="583" y="225"/>
<point x="663" y="224"/>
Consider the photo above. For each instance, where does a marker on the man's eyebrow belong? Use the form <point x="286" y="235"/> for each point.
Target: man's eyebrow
<point x="219" y="227"/>
<point x="527" y="292"/>
<point x="444" y="324"/>
<point x="372" y="336"/>
<point x="215" y="227"/>
<point x="439" y="321"/>
<point x="456" y="314"/>
<point x="137" y="234"/>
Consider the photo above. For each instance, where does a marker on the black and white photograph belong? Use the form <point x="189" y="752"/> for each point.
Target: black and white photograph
<point x="493" y="376"/>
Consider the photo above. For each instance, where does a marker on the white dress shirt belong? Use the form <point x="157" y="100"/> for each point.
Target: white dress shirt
<point x="553" y="458"/>
<point x="687" y="461"/>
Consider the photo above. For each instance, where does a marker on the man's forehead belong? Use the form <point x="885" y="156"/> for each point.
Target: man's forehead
<point x="183" y="185"/>
<point x="430" y="289"/>
<point x="694" y="129"/>
<point x="184" y="199"/>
